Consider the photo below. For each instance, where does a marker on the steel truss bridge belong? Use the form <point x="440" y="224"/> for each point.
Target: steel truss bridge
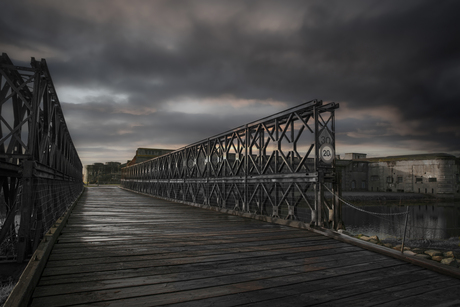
<point x="40" y="171"/>
<point x="276" y="166"/>
<point x="127" y="250"/>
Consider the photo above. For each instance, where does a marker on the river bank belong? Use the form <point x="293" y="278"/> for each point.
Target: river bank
<point x="393" y="197"/>
<point x="9" y="276"/>
<point x="446" y="252"/>
<point x="384" y="215"/>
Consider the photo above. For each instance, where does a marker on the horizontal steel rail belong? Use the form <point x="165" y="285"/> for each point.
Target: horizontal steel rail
<point x="40" y="171"/>
<point x="272" y="166"/>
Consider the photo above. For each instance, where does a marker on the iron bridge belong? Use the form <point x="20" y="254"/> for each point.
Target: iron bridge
<point x="276" y="166"/>
<point x="40" y="171"/>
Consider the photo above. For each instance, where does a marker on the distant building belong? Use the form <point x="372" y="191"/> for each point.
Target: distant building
<point x="353" y="156"/>
<point x="144" y="154"/>
<point x="108" y="173"/>
<point x="354" y="173"/>
<point x="437" y="174"/>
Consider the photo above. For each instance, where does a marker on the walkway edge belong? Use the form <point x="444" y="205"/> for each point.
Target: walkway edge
<point x="427" y="264"/>
<point x="22" y="292"/>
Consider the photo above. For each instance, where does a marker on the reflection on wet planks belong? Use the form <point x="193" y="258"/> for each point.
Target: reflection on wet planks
<point x="123" y="249"/>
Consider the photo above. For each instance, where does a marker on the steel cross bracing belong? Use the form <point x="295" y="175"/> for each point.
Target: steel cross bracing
<point x="40" y="171"/>
<point x="275" y="166"/>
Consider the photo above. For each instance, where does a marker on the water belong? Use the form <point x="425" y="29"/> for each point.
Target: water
<point x="17" y="219"/>
<point x="426" y="221"/>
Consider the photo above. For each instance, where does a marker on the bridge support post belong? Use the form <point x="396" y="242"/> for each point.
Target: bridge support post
<point x="313" y="216"/>
<point x="320" y="210"/>
<point x="337" y="189"/>
<point x="317" y="214"/>
<point x="26" y="208"/>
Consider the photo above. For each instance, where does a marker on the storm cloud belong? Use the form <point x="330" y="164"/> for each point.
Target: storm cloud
<point x="168" y="73"/>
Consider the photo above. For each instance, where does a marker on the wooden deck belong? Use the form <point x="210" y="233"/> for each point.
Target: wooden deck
<point x="125" y="249"/>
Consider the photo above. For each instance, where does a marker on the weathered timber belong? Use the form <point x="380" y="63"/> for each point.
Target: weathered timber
<point x="166" y="253"/>
<point x="311" y="292"/>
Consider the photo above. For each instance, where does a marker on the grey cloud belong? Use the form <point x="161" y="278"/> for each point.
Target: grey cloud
<point x="364" y="53"/>
<point x="98" y="122"/>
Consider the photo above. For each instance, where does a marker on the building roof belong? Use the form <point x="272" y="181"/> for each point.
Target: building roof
<point x="430" y="156"/>
<point x="138" y="158"/>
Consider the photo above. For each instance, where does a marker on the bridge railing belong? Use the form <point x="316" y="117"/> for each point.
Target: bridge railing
<point x="272" y="166"/>
<point x="40" y="171"/>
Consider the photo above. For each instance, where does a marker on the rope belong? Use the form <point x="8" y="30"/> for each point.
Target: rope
<point x="389" y="214"/>
<point x="362" y="210"/>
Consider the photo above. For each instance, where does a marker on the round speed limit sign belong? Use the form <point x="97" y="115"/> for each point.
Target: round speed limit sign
<point x="326" y="153"/>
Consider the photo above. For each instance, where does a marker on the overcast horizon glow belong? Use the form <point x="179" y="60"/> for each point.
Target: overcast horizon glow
<point x="164" y="74"/>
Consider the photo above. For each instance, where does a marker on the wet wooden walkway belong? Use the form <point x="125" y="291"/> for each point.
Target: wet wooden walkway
<point x="124" y="249"/>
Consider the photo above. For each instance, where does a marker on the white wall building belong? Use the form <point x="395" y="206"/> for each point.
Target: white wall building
<point x="437" y="174"/>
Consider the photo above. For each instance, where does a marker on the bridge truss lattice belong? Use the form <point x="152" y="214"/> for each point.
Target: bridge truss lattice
<point x="40" y="171"/>
<point x="276" y="166"/>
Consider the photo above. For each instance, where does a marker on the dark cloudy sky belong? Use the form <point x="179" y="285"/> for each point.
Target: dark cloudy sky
<point x="164" y="74"/>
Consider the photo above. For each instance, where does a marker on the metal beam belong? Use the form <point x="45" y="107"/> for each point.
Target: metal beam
<point x="39" y="165"/>
<point x="273" y="162"/>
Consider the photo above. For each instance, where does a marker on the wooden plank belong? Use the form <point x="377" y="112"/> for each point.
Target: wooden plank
<point x="122" y="249"/>
<point x="186" y="242"/>
<point x="198" y="266"/>
<point x="309" y="292"/>
<point x="331" y="294"/>
<point x="224" y="237"/>
<point x="170" y="251"/>
<point x="278" y="267"/>
<point x="173" y="252"/>
<point x="444" y="296"/>
<point x="206" y="287"/>
<point x="417" y="292"/>
<point x="175" y="261"/>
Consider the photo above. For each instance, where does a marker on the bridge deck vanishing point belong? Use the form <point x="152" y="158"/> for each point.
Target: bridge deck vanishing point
<point x="124" y="249"/>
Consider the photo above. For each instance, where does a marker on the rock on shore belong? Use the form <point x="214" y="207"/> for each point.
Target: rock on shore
<point x="448" y="258"/>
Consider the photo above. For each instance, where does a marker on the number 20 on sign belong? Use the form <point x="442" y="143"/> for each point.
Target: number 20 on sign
<point x="326" y="153"/>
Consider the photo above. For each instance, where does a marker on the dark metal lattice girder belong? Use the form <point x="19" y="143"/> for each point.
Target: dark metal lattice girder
<point x="274" y="161"/>
<point x="39" y="164"/>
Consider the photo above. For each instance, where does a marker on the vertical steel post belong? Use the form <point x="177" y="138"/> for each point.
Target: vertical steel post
<point x="277" y="145"/>
<point x="261" y="153"/>
<point x="208" y="173"/>
<point x="405" y="227"/>
<point x="277" y="150"/>
<point x="318" y="189"/>
<point x="26" y="207"/>
<point x="336" y="188"/>
<point x="246" y="170"/>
